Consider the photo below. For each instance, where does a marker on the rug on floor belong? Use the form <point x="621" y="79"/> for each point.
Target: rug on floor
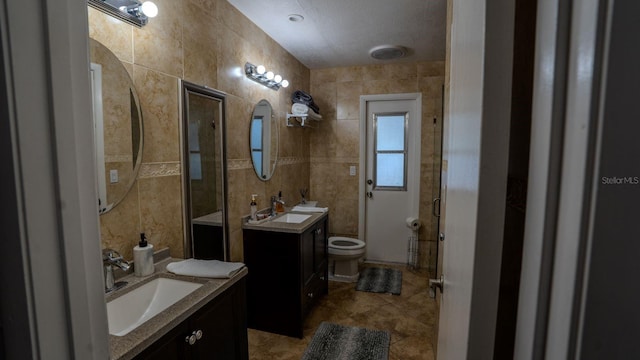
<point x="339" y="342"/>
<point x="380" y="280"/>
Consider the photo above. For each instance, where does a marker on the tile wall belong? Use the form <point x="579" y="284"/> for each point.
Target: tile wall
<point x="335" y="145"/>
<point x="205" y="42"/>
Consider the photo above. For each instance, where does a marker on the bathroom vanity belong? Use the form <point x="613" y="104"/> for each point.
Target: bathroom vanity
<point x="288" y="272"/>
<point x="209" y="323"/>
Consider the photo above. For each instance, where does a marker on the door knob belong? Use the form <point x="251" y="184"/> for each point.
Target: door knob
<point x="436" y="283"/>
<point x="369" y="194"/>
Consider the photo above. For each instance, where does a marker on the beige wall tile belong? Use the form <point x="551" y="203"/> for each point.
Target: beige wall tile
<point x="160" y="213"/>
<point x="112" y="33"/>
<point x="158" y="45"/>
<point x="120" y="227"/>
<point x="348" y="100"/>
<point x="158" y="95"/>
<point x="200" y="45"/>
<point x="348" y="139"/>
<point x="340" y="190"/>
<point x="208" y="42"/>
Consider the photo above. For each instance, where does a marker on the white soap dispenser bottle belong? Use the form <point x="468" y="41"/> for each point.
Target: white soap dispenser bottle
<point x="143" y="257"/>
<point x="254" y="207"/>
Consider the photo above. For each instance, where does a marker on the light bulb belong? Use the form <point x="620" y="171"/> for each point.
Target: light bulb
<point x="285" y="83"/>
<point x="277" y="78"/>
<point x="260" y="69"/>
<point x="270" y="75"/>
<point x="149" y="9"/>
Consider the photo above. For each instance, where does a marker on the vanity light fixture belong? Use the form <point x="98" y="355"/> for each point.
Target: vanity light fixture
<point x="133" y="12"/>
<point x="267" y="78"/>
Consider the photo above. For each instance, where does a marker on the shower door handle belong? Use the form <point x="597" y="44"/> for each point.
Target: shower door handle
<point x="434" y="207"/>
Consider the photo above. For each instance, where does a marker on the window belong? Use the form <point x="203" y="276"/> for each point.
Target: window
<point x="390" y="151"/>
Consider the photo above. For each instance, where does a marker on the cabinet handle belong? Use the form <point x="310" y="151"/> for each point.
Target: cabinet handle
<point x="195" y="336"/>
<point x="319" y="231"/>
<point x="310" y="295"/>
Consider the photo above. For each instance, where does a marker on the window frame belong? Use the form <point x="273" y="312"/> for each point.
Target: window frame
<point x="405" y="151"/>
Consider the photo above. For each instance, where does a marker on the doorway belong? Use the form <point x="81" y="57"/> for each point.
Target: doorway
<point x="390" y="156"/>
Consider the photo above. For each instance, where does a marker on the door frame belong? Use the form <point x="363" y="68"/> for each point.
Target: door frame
<point x="413" y="168"/>
<point x="51" y="257"/>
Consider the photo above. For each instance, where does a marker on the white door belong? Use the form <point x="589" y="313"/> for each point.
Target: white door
<point x="392" y="173"/>
<point x="475" y="159"/>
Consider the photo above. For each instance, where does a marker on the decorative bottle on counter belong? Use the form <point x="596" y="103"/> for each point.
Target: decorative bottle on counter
<point x="279" y="203"/>
<point x="143" y="257"/>
<point x="254" y="207"/>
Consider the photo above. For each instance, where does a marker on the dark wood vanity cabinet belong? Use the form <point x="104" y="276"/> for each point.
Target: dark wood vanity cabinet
<point x="223" y="325"/>
<point x="288" y="274"/>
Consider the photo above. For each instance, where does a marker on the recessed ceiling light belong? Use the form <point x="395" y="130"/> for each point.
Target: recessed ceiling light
<point x="388" y="52"/>
<point x="295" y="17"/>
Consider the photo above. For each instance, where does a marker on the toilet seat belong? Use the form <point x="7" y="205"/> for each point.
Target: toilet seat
<point x="345" y="243"/>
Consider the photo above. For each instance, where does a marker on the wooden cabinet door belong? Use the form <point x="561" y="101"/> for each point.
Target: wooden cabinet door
<point x="217" y="325"/>
<point x="320" y="247"/>
<point x="223" y="326"/>
<point x="171" y="346"/>
<point x="308" y="268"/>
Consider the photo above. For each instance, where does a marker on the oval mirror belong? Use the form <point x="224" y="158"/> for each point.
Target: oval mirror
<point x="263" y="140"/>
<point x="117" y="121"/>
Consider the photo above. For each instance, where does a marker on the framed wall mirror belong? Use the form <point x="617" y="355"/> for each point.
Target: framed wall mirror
<point x="204" y="173"/>
<point x="117" y="123"/>
<point x="263" y="140"/>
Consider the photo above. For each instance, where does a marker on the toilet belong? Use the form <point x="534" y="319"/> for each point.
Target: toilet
<point x="344" y="254"/>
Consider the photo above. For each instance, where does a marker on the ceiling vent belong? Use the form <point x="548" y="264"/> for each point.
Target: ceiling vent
<point x="388" y="52"/>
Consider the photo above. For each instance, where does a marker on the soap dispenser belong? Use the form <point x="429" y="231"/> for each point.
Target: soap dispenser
<point x="143" y="257"/>
<point x="254" y="207"/>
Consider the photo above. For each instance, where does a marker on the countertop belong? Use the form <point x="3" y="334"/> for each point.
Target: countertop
<point x="213" y="219"/>
<point x="300" y="228"/>
<point x="130" y="345"/>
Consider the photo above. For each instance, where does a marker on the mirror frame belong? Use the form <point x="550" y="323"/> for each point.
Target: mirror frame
<point x="134" y="97"/>
<point x="273" y="128"/>
<point x="186" y="88"/>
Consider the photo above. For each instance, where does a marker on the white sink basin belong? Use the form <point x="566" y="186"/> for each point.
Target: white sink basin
<point x="132" y="309"/>
<point x="292" y="218"/>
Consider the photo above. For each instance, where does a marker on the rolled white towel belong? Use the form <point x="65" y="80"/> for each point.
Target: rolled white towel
<point x="310" y="209"/>
<point x="205" y="268"/>
<point x="300" y="109"/>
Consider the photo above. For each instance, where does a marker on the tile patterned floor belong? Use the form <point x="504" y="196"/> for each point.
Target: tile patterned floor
<point x="410" y="317"/>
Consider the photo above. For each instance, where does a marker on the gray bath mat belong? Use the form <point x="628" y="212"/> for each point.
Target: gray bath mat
<point x="380" y="280"/>
<point x="338" y="342"/>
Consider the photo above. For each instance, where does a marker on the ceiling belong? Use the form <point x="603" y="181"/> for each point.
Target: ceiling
<point x="336" y="33"/>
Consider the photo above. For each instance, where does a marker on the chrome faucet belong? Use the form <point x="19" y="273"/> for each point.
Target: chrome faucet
<point x="274" y="202"/>
<point x="111" y="257"/>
